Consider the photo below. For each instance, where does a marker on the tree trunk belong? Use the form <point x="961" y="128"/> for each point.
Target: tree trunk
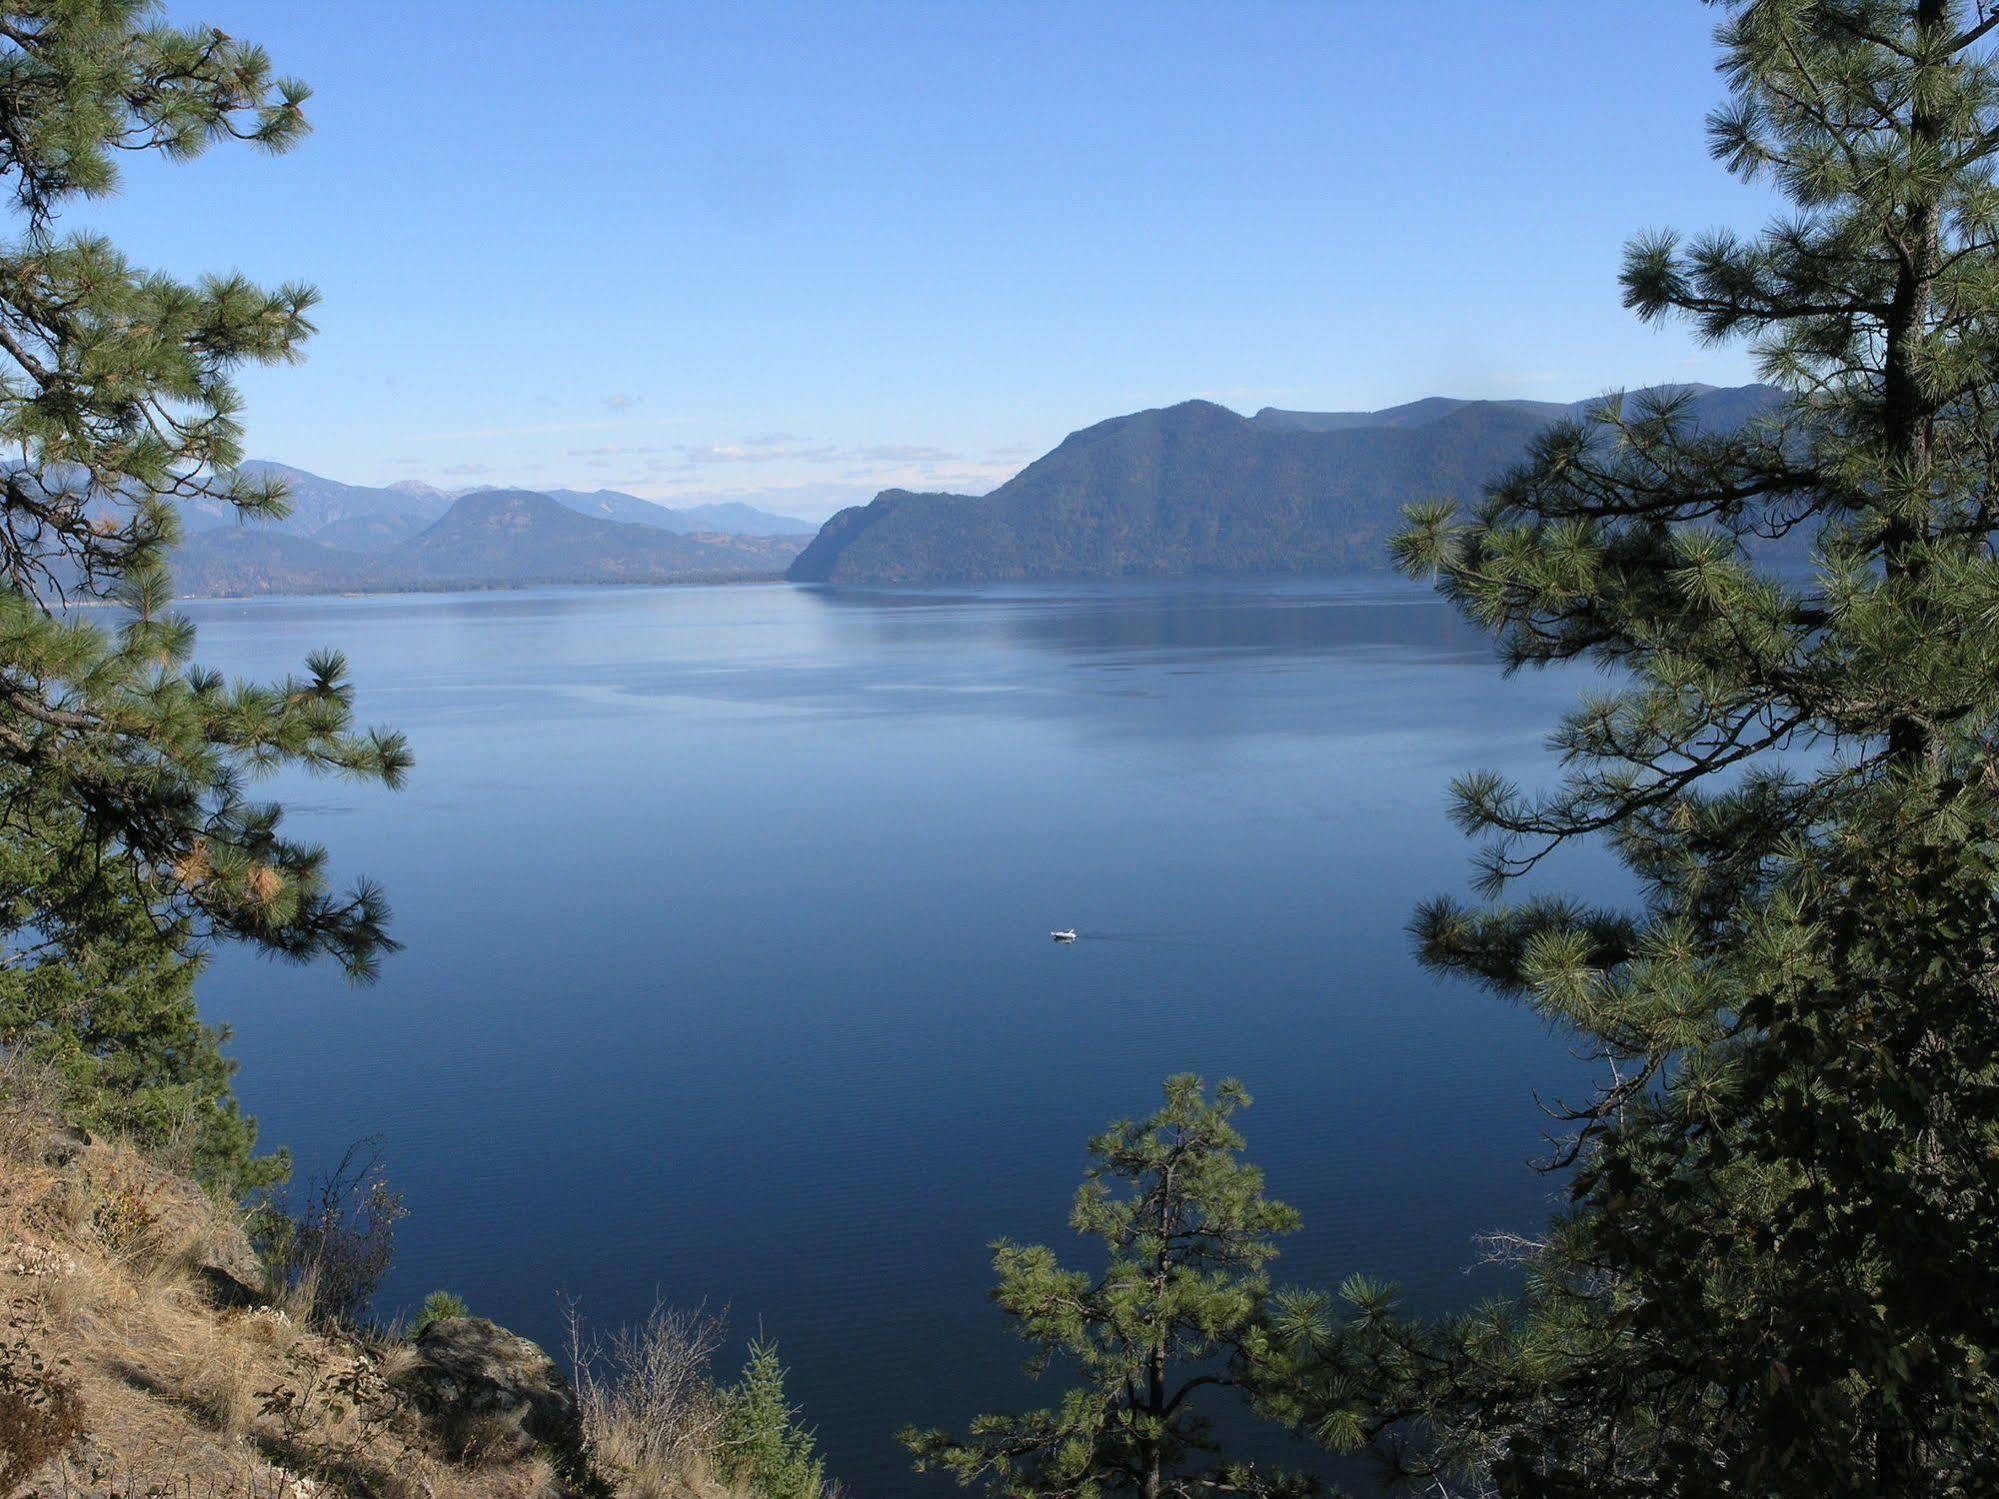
<point x="1905" y="411"/>
<point x="1905" y="417"/>
<point x="1155" y="1405"/>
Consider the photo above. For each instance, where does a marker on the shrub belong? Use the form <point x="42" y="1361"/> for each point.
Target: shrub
<point x="649" y="1404"/>
<point x="329" y="1254"/>
<point x="438" y="1306"/>
<point x="655" y="1420"/>
<point x="41" y="1413"/>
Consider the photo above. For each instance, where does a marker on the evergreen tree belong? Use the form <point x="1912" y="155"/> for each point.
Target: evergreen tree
<point x="108" y="1007"/>
<point x="124" y="766"/>
<point x="1778" y="1269"/>
<point x="760" y="1444"/>
<point x="1178" y="1311"/>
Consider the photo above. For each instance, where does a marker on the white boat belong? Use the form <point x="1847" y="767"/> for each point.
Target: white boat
<point x="1068" y="936"/>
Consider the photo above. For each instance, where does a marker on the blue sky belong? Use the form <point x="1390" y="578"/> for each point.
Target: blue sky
<point x="796" y="253"/>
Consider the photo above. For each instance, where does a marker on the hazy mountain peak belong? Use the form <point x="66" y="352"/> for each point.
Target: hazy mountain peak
<point x="491" y="501"/>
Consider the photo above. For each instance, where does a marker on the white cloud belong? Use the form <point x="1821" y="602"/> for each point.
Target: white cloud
<point x="771" y="447"/>
<point x="897" y="452"/>
<point x="481" y="434"/>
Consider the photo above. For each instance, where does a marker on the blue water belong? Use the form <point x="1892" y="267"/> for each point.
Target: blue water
<point x="728" y="977"/>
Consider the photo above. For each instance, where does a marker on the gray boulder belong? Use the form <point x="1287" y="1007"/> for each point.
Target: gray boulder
<point x="493" y="1394"/>
<point x="231" y="1272"/>
<point x="63" y="1143"/>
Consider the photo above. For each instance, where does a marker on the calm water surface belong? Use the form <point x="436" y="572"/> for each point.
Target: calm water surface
<point x="728" y="976"/>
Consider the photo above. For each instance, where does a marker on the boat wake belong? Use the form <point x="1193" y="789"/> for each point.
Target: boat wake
<point x="1138" y="939"/>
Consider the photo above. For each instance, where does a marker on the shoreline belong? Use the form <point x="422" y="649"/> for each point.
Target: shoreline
<point x="449" y="585"/>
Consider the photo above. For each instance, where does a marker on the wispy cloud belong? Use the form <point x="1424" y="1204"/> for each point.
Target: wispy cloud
<point x="783" y="470"/>
<point x="901" y="452"/>
<point x="621" y="402"/>
<point x="788" y="447"/>
<point x="768" y="448"/>
<point x="479" y="434"/>
<point x="615" y="450"/>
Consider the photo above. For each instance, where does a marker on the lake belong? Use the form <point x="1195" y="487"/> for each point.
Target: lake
<point x="728" y="975"/>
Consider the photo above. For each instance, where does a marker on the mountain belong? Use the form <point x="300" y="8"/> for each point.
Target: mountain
<point x="731" y="517"/>
<point x="493" y="538"/>
<point x="360" y="518"/>
<point x="738" y="519"/>
<point x="1713" y="405"/>
<point x="367" y="533"/>
<point x="510" y="535"/>
<point x="367" y="518"/>
<point x="1415" y="414"/>
<point x="1196" y="488"/>
<point x="419" y="488"/>
<point x="249" y="559"/>
<point x="609" y="504"/>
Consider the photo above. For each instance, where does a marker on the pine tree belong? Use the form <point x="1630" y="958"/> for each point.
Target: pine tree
<point x="109" y="1010"/>
<point x="1178" y="1312"/>
<point x="759" y="1444"/>
<point x="1778" y="1269"/>
<point x="124" y="766"/>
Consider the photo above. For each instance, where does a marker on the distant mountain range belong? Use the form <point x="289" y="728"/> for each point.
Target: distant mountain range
<point x="731" y="518"/>
<point x="368" y="519"/>
<point x="349" y="537"/>
<point x="1186" y="489"/>
<point x="1196" y="488"/>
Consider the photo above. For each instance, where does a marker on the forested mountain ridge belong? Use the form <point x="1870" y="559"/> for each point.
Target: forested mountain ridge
<point x="1197" y="488"/>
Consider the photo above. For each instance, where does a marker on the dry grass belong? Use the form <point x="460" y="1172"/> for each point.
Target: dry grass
<point x="218" y="1372"/>
<point x="99" y="1259"/>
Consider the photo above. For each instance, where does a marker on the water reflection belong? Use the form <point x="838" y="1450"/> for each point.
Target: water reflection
<point x="1282" y="617"/>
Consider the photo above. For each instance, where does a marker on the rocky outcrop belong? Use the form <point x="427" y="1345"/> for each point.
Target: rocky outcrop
<point x="493" y="1393"/>
<point x="118" y="1267"/>
<point x="62" y="1142"/>
<point x="220" y="1255"/>
<point x="231" y="1272"/>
